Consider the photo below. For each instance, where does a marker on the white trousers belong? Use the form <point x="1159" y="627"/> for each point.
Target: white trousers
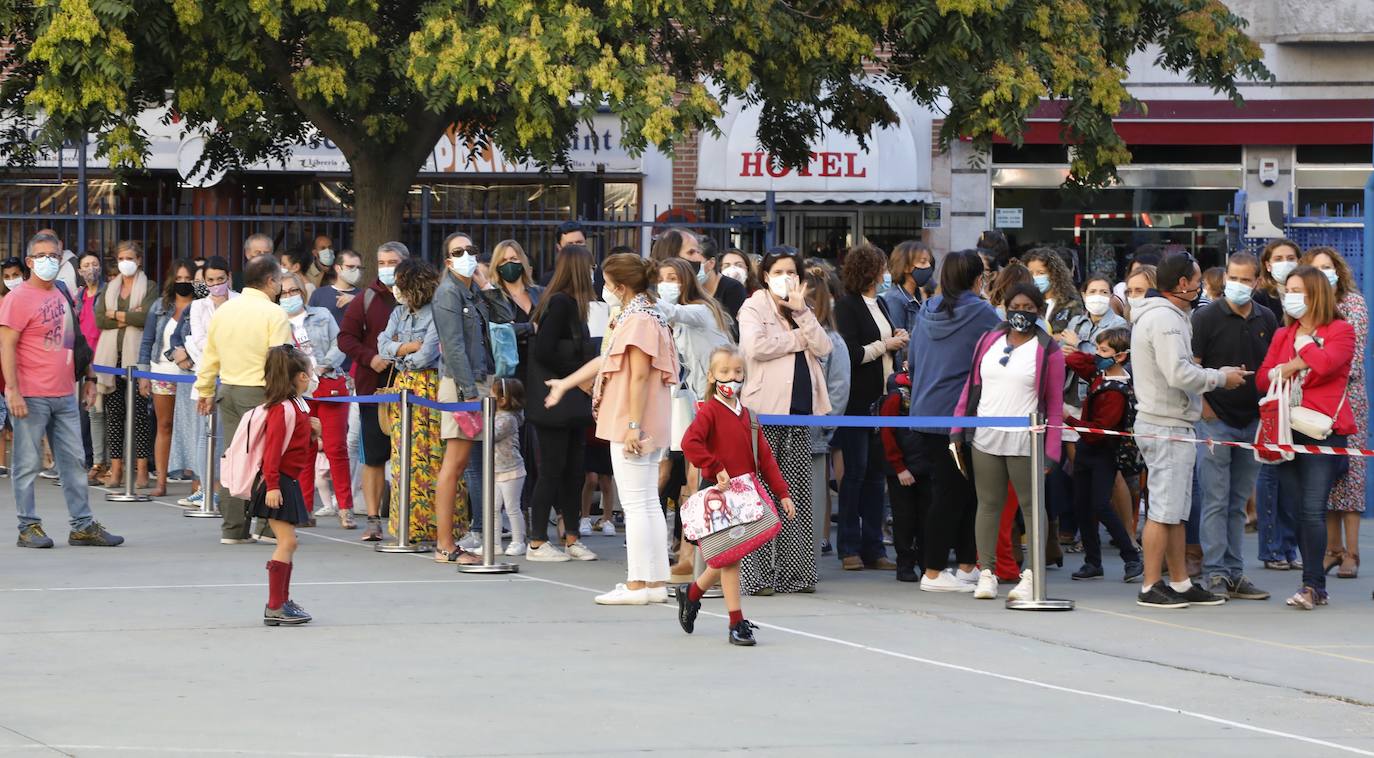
<point x="646" y="534"/>
<point x="508" y="499"/>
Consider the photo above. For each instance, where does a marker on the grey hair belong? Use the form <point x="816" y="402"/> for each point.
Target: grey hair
<point x="42" y="237"/>
<point x="247" y="243"/>
<point x="394" y="247"/>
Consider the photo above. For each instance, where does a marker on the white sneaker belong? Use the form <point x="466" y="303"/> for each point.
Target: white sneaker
<point x="470" y="541"/>
<point x="230" y="541"/>
<point x="328" y="509"/>
<point x="584" y="527"/>
<point x="547" y="553"/>
<point x="623" y="595"/>
<point x="580" y="552"/>
<point x="193" y="500"/>
<point x="1022" y="590"/>
<point x="947" y="582"/>
<point x="987" y="585"/>
<point x="608" y="528"/>
<point x="516" y="548"/>
<point x="657" y="594"/>
<point x="968" y="577"/>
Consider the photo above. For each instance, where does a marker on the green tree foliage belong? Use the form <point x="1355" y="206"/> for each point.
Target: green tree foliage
<point x="384" y="80"/>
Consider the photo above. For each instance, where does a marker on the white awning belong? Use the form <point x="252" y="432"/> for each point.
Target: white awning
<point x="895" y="167"/>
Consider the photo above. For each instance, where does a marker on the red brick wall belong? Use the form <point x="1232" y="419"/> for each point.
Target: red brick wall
<point x="685" y="174"/>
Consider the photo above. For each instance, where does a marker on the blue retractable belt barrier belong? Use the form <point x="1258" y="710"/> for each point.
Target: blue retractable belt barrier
<point x="437" y="406"/>
<point x="903" y="422"/>
<point x="111" y="370"/>
<point x="177" y="378"/>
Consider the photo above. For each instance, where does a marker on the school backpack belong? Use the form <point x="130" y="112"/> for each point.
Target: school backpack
<point x="1129" y="461"/>
<point x="242" y="460"/>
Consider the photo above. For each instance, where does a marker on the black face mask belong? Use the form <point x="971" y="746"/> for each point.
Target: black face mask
<point x="184" y="289"/>
<point x="696" y="266"/>
<point x="1197" y="295"/>
<point x="1021" y="321"/>
<point x="511" y="271"/>
<point x="921" y="276"/>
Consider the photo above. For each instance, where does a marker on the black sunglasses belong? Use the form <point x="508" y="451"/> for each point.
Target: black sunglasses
<point x="1006" y="354"/>
<point x="460" y="251"/>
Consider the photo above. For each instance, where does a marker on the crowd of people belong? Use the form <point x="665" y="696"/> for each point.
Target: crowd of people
<point x="617" y="384"/>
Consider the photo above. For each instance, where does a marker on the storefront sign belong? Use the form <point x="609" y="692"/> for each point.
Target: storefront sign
<point x="1007" y="218"/>
<point x="933" y="217"/>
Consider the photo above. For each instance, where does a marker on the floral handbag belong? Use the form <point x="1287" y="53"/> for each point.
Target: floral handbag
<point x="731" y="524"/>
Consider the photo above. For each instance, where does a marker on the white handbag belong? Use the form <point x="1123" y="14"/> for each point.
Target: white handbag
<point x="1314" y="424"/>
<point x="684" y="410"/>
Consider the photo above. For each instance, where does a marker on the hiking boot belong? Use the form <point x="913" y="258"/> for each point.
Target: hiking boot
<point x="94" y="535"/>
<point x="289" y="614"/>
<point x="33" y="535"/>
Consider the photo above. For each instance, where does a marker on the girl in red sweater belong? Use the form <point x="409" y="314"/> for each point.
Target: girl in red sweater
<point x="718" y="443"/>
<point x="285" y="465"/>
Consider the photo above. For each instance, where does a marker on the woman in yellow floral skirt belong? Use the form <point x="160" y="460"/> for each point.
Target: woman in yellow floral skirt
<point x="412" y="342"/>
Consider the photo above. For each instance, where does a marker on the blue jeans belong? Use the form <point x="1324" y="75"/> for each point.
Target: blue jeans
<point x="1304" y="484"/>
<point x="861" y="495"/>
<point x="59" y="419"/>
<point x="1277" y="540"/>
<point x="1227" y="476"/>
<point x="473" y="477"/>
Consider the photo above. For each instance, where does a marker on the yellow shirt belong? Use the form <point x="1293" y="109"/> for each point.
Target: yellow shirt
<point x="241" y="332"/>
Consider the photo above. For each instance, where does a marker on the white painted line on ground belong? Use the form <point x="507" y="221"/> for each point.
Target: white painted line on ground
<point x="1022" y="680"/>
<point x="202" y="751"/>
<point x="253" y="585"/>
<point x="1312" y="649"/>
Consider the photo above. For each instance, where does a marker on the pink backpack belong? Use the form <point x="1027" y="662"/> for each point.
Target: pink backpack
<point x="242" y="460"/>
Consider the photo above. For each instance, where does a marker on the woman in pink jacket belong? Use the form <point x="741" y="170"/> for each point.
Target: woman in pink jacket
<point x="782" y="343"/>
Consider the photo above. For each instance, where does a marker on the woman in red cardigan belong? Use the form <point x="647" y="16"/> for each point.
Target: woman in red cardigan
<point x="718" y="442"/>
<point x="1314" y="350"/>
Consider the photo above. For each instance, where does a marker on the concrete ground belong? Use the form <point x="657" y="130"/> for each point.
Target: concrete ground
<point x="157" y="648"/>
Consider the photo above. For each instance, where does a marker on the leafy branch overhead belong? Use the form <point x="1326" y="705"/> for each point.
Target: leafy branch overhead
<point x="384" y="80"/>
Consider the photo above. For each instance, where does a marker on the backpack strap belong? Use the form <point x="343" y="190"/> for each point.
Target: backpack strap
<point x="369" y="295"/>
<point x="754" y="438"/>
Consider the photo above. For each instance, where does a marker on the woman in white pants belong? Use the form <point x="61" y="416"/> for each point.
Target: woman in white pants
<point x="631" y="401"/>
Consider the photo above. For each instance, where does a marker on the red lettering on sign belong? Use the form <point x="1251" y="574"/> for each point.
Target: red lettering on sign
<point x="751" y="164"/>
<point x="830" y="164"/>
<point x="775" y="170"/>
<point x="806" y="170"/>
<point x="851" y="171"/>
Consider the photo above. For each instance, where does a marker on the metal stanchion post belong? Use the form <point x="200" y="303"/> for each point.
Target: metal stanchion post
<point x="128" y="495"/>
<point x="491" y="520"/>
<point x="402" y="543"/>
<point x="208" y="488"/>
<point x="1035" y="534"/>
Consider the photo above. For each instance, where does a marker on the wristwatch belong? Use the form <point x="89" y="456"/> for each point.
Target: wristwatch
<point x="634" y="426"/>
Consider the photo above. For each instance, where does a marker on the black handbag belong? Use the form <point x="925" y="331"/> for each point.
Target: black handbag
<point x="575" y="409"/>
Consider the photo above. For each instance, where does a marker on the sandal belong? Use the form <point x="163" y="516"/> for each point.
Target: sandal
<point x="1350" y="573"/>
<point x="445" y="556"/>
<point x="464" y="558"/>
<point x="1304" y="599"/>
<point x="1333" y="559"/>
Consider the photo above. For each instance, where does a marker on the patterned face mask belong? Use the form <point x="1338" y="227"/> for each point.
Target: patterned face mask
<point x="200" y="290"/>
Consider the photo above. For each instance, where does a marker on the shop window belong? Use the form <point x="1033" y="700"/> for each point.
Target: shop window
<point x="1053" y="154"/>
<point x="1164" y="154"/>
<point x="887" y="228"/>
<point x="1356" y="154"/>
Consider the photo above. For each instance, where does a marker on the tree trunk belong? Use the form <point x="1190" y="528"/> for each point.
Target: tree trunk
<point x="380" y="189"/>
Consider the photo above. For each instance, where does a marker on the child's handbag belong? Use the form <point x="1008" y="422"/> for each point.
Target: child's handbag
<point x="732" y="524"/>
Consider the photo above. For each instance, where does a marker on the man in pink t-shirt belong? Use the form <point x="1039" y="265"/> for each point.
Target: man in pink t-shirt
<point x="37" y="333"/>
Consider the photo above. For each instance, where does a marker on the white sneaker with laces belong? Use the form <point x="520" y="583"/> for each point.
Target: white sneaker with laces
<point x="328" y="509"/>
<point x="516" y="548"/>
<point x="1022" y="590"/>
<point x="968" y="577"/>
<point x="547" y="553"/>
<point x="193" y="500"/>
<point x="623" y="595"/>
<point x="987" y="585"/>
<point x="580" y="552"/>
<point x="657" y="594"/>
<point x="584" y="527"/>
<point x="608" y="528"/>
<point x="470" y="541"/>
<point x="946" y="582"/>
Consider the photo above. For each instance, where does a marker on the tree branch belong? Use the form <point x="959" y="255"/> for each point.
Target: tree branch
<point x="346" y="138"/>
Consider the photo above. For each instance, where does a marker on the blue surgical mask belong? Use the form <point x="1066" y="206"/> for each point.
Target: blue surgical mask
<point x="1331" y="276"/>
<point x="887" y="283"/>
<point x="292" y="304"/>
<point x="1239" y="294"/>
<point x="387" y="275"/>
<point x="701" y="275"/>
<point x="1042" y="282"/>
<point x="1104" y="362"/>
<point x="45" y="268"/>
<point x="1281" y="269"/>
<point x="1295" y="304"/>
<point x="669" y="292"/>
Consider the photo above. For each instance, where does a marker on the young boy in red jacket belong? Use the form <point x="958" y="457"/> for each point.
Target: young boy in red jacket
<point x="1108" y="406"/>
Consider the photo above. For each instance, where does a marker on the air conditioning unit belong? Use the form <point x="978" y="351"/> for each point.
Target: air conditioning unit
<point x="1264" y="219"/>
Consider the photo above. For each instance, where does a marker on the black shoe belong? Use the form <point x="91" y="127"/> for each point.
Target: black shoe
<point x="1088" y="571"/>
<point x="1244" y="589"/>
<point x="289" y="614"/>
<point x="1199" y="595"/>
<point x="827" y="548"/>
<point x="94" y="535"/>
<point x="1161" y="595"/>
<point x="743" y="634"/>
<point x="33" y="536"/>
<point x="687" y="609"/>
<point x="1135" y="572"/>
<point x="908" y="575"/>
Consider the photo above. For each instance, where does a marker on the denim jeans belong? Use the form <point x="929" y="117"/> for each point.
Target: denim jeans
<point x="1277" y="538"/>
<point x="1304" y="484"/>
<point x="59" y="419"/>
<point x="861" y="495"/>
<point x="473" y="477"/>
<point x="1227" y="476"/>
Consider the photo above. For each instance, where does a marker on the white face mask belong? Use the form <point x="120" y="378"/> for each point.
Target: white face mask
<point x="780" y="285"/>
<point x="351" y="275"/>
<point x="1135" y="302"/>
<point x="735" y="272"/>
<point x="1097" y="305"/>
<point x="669" y="292"/>
<point x="464" y="265"/>
<point x="1295" y="304"/>
<point x="386" y="275"/>
<point x="1281" y="269"/>
<point x="128" y="268"/>
<point x="610" y="297"/>
<point x="13" y="284"/>
<point x="396" y="293"/>
<point x="326" y="257"/>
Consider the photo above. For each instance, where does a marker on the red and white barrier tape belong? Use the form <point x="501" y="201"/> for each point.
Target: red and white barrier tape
<point x="1354" y="452"/>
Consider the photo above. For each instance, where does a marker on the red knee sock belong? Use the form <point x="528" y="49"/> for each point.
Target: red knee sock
<point x="278" y="583"/>
<point x="289" y="567"/>
<point x="694" y="592"/>
<point x="736" y="617"/>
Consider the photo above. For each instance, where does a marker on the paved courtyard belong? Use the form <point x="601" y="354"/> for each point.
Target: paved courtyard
<point x="156" y="648"/>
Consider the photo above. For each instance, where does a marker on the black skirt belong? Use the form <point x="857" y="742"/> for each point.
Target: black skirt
<point x="292" y="509"/>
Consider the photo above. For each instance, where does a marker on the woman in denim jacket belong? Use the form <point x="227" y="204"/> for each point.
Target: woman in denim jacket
<point x="162" y="350"/>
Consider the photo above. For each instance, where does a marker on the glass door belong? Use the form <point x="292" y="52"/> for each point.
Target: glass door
<point x="825" y="234"/>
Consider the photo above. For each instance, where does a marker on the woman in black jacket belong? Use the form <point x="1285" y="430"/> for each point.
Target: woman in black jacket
<point x="868" y="332"/>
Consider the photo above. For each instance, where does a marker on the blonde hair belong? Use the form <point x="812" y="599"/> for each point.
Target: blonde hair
<point x="498" y="253"/>
<point x="721" y="352"/>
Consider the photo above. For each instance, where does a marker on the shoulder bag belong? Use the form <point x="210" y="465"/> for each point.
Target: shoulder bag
<point x="731" y="524"/>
